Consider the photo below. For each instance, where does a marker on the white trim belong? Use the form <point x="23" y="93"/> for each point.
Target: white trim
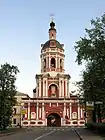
<point x="37" y="111"/>
<point x="40" y="111"/>
<point x="81" y="113"/>
<point x="62" y="88"/>
<point x="28" y="111"/>
<point x="43" y="112"/>
<point x="70" y="111"/>
<point x="78" y="112"/>
<point x="46" y="88"/>
<point x="43" y="87"/>
<point x="52" y="84"/>
<point x="39" y="87"/>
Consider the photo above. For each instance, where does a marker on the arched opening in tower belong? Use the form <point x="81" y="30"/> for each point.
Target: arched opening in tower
<point x="44" y="63"/>
<point x="60" y="63"/>
<point x="53" y="62"/>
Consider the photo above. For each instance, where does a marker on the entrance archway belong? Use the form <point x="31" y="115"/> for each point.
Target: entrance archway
<point x="53" y="120"/>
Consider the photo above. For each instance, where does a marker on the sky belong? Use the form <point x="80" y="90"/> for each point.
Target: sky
<point x="24" y="27"/>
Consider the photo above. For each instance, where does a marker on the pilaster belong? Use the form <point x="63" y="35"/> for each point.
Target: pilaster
<point x="49" y="61"/>
<point x="78" y="112"/>
<point x="37" y="111"/>
<point x="39" y="87"/>
<point x="62" y="88"/>
<point x="59" y="88"/>
<point x="64" y="110"/>
<point x="56" y="62"/>
<point x="66" y="91"/>
<point x="43" y="113"/>
<point x="46" y="88"/>
<point x="70" y="112"/>
<point x="28" y="111"/>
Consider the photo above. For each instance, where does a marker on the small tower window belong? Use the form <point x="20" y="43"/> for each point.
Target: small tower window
<point x="52" y="62"/>
<point x="44" y="63"/>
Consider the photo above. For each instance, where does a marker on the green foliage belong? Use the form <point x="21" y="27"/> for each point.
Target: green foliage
<point x="7" y="92"/>
<point x="92" y="46"/>
<point x="91" y="51"/>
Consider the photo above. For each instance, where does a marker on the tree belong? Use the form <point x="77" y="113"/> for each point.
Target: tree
<point x="7" y="93"/>
<point x="91" y="51"/>
<point x="92" y="47"/>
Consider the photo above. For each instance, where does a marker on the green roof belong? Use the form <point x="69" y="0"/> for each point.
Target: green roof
<point x="47" y="44"/>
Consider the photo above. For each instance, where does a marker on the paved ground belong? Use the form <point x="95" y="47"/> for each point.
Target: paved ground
<point x="51" y="134"/>
<point x="88" y="135"/>
<point x="44" y="134"/>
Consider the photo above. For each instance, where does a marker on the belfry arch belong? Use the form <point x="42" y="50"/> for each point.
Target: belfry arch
<point x="53" y="63"/>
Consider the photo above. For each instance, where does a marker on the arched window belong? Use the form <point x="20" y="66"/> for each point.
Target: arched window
<point x="44" y="63"/>
<point x="52" y="62"/>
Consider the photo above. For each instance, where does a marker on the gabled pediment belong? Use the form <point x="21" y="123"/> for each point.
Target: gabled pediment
<point x="45" y="75"/>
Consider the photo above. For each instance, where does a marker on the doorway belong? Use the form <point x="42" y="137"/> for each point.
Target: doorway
<point x="53" y="120"/>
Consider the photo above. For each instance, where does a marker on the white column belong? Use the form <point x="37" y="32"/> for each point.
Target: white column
<point x="37" y="111"/>
<point x="66" y="91"/>
<point x="62" y="88"/>
<point x="39" y="87"/>
<point x="81" y="113"/>
<point x="43" y="88"/>
<point x="70" y="112"/>
<point x="28" y="111"/>
<point x="40" y="111"/>
<point x="64" y="110"/>
<point x="49" y="61"/>
<point x="56" y="62"/>
<point x="78" y="112"/>
<point x="43" y="113"/>
<point x="46" y="88"/>
<point x="59" y="88"/>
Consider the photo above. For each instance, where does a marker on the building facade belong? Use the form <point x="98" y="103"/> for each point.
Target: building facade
<point x="16" y="116"/>
<point x="52" y="104"/>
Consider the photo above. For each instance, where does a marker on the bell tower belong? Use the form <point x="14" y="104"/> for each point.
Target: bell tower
<point x="52" y="53"/>
<point x="52" y="82"/>
<point x="52" y="104"/>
